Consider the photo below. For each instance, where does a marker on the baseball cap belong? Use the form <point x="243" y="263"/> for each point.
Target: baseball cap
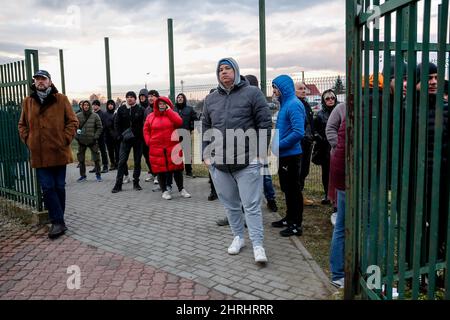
<point x="42" y="73"/>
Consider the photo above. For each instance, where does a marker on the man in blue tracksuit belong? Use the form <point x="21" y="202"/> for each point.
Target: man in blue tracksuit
<point x="286" y="145"/>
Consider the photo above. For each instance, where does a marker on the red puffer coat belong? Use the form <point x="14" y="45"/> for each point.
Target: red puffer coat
<point x="161" y="136"/>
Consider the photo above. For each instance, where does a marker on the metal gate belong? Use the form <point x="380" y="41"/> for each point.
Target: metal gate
<point x="397" y="201"/>
<point x="17" y="179"/>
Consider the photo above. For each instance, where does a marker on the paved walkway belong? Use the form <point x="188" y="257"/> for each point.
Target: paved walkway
<point x="141" y="235"/>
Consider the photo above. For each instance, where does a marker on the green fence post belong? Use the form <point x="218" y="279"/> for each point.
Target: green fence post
<point x="262" y="45"/>
<point x="108" y="69"/>
<point x="171" y="60"/>
<point x="61" y="63"/>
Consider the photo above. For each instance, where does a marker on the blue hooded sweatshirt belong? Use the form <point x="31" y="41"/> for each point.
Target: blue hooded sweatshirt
<point x="291" y="120"/>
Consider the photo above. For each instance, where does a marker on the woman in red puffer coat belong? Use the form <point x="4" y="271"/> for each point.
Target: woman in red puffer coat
<point x="165" y="153"/>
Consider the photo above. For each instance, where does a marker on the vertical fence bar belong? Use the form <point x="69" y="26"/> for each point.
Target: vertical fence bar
<point x="373" y="110"/>
<point x="406" y="203"/>
<point x="422" y="139"/>
<point x="61" y="64"/>
<point x="108" y="69"/>
<point x="262" y="45"/>
<point x="352" y="40"/>
<point x="365" y="259"/>
<point x="447" y="245"/>
<point x="437" y="152"/>
<point x="171" y="60"/>
<point x="385" y="173"/>
<point x="396" y="148"/>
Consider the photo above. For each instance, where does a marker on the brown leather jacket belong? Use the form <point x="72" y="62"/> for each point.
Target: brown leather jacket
<point x="48" y="129"/>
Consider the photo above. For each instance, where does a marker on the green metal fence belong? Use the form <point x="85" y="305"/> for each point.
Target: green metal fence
<point x="397" y="201"/>
<point x="17" y="179"/>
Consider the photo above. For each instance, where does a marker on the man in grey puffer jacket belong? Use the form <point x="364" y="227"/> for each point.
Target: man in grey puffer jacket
<point x="236" y="107"/>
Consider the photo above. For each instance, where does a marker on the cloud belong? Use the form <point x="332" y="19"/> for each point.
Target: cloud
<point x="10" y="51"/>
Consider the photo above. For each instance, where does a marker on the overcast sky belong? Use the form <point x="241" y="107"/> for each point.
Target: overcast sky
<point x="301" y="36"/>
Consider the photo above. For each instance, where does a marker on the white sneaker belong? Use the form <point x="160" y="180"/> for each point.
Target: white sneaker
<point x="166" y="195"/>
<point x="126" y="179"/>
<point x="260" y="254"/>
<point x="155" y="181"/>
<point x="236" y="246"/>
<point x="339" y="283"/>
<point x="333" y="218"/>
<point x="149" y="178"/>
<point x="185" y="194"/>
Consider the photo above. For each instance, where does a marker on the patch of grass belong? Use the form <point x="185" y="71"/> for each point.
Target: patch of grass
<point x="317" y="227"/>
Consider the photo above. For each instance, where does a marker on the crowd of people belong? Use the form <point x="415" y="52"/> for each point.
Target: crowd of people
<point x="159" y="129"/>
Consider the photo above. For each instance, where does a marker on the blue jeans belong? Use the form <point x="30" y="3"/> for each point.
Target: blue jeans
<point x="269" y="192"/>
<point x="241" y="189"/>
<point x="52" y="181"/>
<point x="338" y="239"/>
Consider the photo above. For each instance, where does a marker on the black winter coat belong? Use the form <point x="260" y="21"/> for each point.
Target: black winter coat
<point x="125" y="117"/>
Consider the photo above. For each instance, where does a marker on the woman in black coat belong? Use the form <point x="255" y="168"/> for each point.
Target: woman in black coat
<point x="321" y="152"/>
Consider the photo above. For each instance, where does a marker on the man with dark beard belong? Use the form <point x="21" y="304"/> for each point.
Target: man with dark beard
<point x="47" y="116"/>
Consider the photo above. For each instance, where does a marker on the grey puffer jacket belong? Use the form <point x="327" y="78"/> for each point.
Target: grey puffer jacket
<point x="244" y="107"/>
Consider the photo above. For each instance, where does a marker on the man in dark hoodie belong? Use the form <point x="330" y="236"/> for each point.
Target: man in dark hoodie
<point x="189" y="116"/>
<point x="96" y="106"/>
<point x="47" y="115"/>
<point x="129" y="124"/>
<point x="110" y="135"/>
<point x="144" y="103"/>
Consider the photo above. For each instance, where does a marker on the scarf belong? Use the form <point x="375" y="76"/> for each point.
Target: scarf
<point x="43" y="94"/>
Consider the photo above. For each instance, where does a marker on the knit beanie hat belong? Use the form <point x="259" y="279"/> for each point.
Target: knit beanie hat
<point x="131" y="94"/>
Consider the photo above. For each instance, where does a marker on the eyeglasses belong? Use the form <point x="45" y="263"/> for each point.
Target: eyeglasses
<point x="330" y="98"/>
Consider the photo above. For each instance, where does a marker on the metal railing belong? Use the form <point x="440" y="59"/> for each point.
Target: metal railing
<point x="397" y="204"/>
<point x="17" y="179"/>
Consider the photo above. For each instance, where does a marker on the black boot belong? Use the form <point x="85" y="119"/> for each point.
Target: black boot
<point x="117" y="188"/>
<point x="272" y="205"/>
<point x="92" y="171"/>
<point x="212" y="196"/>
<point x="105" y="169"/>
<point x="56" y="230"/>
<point x="136" y="186"/>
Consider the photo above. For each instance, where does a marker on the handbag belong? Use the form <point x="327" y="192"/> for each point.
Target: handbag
<point x="80" y="131"/>
<point x="127" y="135"/>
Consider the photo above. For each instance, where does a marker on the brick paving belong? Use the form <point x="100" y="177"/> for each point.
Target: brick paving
<point x="135" y="245"/>
<point x="33" y="267"/>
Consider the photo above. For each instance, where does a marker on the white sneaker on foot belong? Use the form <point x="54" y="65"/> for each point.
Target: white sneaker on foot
<point x="339" y="283"/>
<point x="155" y="181"/>
<point x="185" y="194"/>
<point x="166" y="195"/>
<point x="236" y="246"/>
<point x="149" y="178"/>
<point x="126" y="179"/>
<point x="333" y="218"/>
<point x="260" y="254"/>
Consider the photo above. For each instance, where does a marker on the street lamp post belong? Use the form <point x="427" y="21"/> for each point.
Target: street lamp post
<point x="182" y="85"/>
<point x="148" y="73"/>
